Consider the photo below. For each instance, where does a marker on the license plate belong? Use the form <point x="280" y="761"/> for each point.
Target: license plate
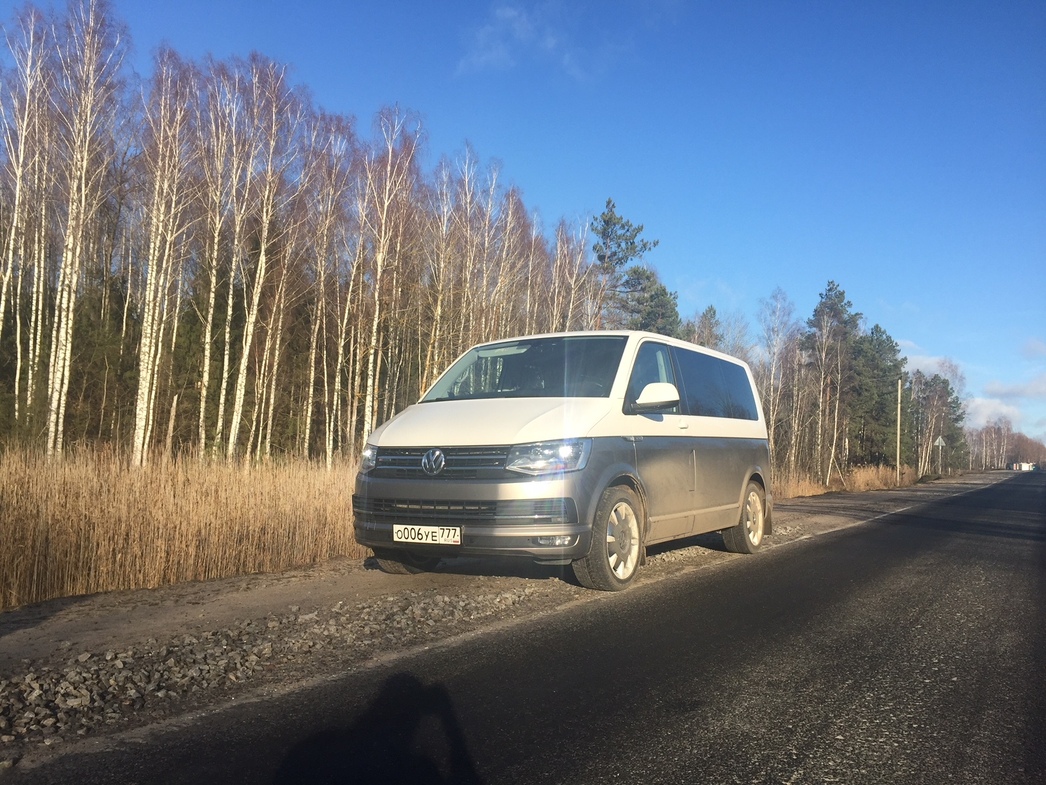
<point x="427" y="535"/>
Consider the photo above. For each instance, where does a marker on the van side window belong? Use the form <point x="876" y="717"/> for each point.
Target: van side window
<point x="741" y="403"/>
<point x="653" y="364"/>
<point x="715" y="387"/>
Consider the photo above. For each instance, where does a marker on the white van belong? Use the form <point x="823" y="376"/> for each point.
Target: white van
<point x="572" y="448"/>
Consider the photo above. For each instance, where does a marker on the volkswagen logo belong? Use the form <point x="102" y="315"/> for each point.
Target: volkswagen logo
<point x="434" y="461"/>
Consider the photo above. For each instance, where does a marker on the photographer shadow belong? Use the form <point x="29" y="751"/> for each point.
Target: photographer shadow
<point x="409" y="733"/>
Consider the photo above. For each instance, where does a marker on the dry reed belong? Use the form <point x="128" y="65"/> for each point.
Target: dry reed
<point x="794" y="487"/>
<point x="90" y="523"/>
<point x="875" y="478"/>
<point x="860" y="479"/>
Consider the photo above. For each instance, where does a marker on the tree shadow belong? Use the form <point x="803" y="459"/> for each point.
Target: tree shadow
<point x="495" y="567"/>
<point x="710" y="541"/>
<point x="409" y="734"/>
<point x="24" y="616"/>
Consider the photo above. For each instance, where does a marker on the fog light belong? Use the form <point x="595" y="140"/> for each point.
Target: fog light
<point x="561" y="541"/>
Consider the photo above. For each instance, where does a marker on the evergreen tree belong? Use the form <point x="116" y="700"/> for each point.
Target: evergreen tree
<point x="647" y="303"/>
<point x="707" y="330"/>
<point x="877" y="365"/>
<point x="617" y="244"/>
<point x="833" y="328"/>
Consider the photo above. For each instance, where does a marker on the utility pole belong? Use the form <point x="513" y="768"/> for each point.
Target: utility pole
<point x="898" y="432"/>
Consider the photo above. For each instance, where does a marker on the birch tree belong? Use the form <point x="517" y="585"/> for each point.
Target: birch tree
<point x="779" y="331"/>
<point x="388" y="180"/>
<point x="167" y="158"/>
<point x="215" y="123"/>
<point x="937" y="413"/>
<point x="24" y="115"/>
<point x="832" y="328"/>
<point x="274" y="114"/>
<point x="439" y="254"/>
<point x="331" y="148"/>
<point x="513" y="295"/>
<point x="570" y="280"/>
<point x="89" y="54"/>
<point x="21" y="104"/>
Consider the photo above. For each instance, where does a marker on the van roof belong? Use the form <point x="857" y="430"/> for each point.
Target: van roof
<point x="638" y="334"/>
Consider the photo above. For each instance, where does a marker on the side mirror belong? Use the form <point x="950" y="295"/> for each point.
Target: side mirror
<point x="656" y="397"/>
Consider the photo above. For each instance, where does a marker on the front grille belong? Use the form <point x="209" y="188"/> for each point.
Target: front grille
<point x="462" y="463"/>
<point x="420" y="511"/>
<point x="402" y="510"/>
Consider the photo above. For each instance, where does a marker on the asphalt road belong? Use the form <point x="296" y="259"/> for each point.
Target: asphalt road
<point x="910" y="649"/>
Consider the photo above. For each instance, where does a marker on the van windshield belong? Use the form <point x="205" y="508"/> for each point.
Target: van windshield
<point x="559" y="367"/>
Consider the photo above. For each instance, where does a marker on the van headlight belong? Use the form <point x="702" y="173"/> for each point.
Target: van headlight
<point x="568" y="455"/>
<point x="368" y="458"/>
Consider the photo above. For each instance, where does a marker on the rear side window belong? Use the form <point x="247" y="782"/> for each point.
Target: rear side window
<point x="715" y="388"/>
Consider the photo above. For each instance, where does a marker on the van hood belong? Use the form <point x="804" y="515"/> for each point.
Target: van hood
<point x="491" y="421"/>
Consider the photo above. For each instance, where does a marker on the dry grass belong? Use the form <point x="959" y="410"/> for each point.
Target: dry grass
<point x="863" y="478"/>
<point x="90" y="523"/>
<point x="874" y="478"/>
<point x="794" y="487"/>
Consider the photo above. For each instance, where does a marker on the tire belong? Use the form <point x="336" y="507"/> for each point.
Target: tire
<point x="747" y="536"/>
<point x="404" y="562"/>
<point x="617" y="545"/>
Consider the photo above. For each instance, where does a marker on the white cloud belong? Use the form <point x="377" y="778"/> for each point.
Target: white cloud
<point x="1037" y="429"/>
<point x="981" y="411"/>
<point x="1034" y="389"/>
<point x="514" y="32"/>
<point x="495" y="44"/>
<point x="926" y="363"/>
<point x="1034" y="349"/>
<point x="918" y="360"/>
<point x="561" y="33"/>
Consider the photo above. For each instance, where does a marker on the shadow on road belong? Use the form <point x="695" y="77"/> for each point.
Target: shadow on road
<point x="409" y="734"/>
<point x="497" y="567"/>
<point x="26" y="616"/>
<point x="1012" y="510"/>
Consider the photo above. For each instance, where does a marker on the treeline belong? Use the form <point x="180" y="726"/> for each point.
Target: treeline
<point x="832" y="390"/>
<point x="997" y="446"/>
<point x="207" y="264"/>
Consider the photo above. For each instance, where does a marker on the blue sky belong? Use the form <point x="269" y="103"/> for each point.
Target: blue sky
<point x="898" y="148"/>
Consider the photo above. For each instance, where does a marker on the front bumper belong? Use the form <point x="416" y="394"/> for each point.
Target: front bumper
<point x="495" y="517"/>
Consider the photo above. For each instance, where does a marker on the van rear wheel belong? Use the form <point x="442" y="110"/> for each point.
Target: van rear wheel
<point x="404" y="562"/>
<point x="613" y="558"/>
<point x="747" y="536"/>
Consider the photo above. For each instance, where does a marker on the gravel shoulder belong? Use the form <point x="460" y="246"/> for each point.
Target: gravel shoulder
<point x="90" y="666"/>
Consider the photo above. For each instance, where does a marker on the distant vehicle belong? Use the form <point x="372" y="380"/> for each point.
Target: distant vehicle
<point x="571" y="448"/>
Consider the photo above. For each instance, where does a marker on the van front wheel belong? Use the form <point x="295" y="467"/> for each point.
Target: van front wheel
<point x="614" y="555"/>
<point x="747" y="536"/>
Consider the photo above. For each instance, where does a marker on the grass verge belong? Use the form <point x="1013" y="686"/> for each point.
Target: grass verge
<point x="90" y="523"/>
